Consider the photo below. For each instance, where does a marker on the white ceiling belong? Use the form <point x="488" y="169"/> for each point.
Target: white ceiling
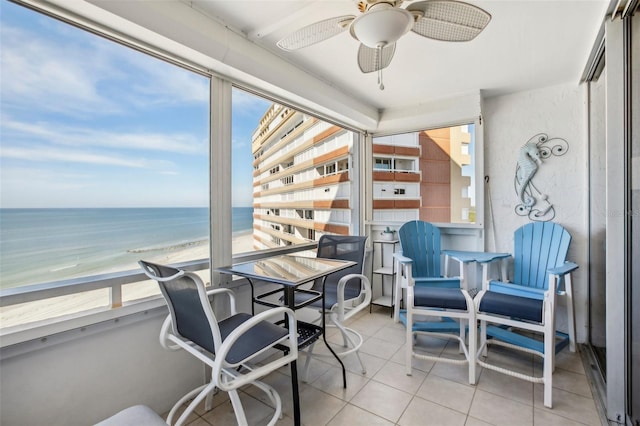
<point x="527" y="44"/>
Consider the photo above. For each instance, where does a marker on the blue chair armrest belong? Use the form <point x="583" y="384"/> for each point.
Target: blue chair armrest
<point x="490" y="257"/>
<point x="516" y="290"/>
<point x="564" y="269"/>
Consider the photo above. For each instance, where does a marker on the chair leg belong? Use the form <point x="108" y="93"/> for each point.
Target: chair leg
<point x="483" y="337"/>
<point x="549" y="349"/>
<point x="237" y="408"/>
<point x="273" y="395"/>
<point x="473" y="347"/>
<point x="208" y="402"/>
<point x="408" y="361"/>
<point x="307" y="361"/>
<point x="203" y="392"/>
<point x="571" y="320"/>
<point x="397" y="297"/>
<point x="350" y="343"/>
<point x="549" y="346"/>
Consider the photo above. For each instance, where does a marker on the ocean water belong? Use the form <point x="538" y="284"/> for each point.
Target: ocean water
<point x="43" y="245"/>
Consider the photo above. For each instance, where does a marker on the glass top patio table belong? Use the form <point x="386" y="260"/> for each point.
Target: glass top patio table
<point x="291" y="271"/>
<point x="287" y="270"/>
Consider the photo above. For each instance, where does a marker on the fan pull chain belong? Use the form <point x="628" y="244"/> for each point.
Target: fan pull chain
<point x="378" y="65"/>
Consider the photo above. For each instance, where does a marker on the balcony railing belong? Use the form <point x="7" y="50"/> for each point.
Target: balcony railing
<point x="114" y="282"/>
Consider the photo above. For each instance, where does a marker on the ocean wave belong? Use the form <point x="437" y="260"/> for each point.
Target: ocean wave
<point x="169" y="247"/>
<point x="62" y="268"/>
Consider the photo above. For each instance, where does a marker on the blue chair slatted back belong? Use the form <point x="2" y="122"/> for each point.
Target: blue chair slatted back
<point x="187" y="313"/>
<point x="539" y="246"/>
<point x="420" y="241"/>
<point x="343" y="247"/>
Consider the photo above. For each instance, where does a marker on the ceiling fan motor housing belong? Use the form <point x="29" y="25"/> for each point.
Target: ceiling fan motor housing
<point x="382" y="24"/>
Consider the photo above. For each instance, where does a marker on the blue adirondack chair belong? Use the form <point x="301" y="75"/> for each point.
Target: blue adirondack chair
<point x="418" y="261"/>
<point x="428" y="294"/>
<point x="505" y="309"/>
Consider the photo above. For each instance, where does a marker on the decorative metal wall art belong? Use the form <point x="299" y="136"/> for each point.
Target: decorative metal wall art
<point x="534" y="203"/>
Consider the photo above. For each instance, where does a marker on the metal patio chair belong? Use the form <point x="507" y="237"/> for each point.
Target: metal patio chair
<point x="226" y="346"/>
<point x="346" y="292"/>
<point x="519" y="310"/>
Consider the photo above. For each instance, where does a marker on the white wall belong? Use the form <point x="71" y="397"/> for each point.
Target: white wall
<point x="509" y="122"/>
<point x="82" y="377"/>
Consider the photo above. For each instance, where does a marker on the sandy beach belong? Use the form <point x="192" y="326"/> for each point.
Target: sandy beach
<point x="32" y="312"/>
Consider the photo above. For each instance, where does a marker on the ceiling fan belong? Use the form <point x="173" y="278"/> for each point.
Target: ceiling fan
<point x="383" y="22"/>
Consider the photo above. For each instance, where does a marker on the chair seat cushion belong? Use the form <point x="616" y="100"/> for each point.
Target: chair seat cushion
<point x="134" y="416"/>
<point x="508" y="305"/>
<point x="445" y="298"/>
<point x="262" y="335"/>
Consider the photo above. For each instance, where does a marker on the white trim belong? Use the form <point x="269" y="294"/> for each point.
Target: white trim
<point x="434" y="114"/>
<point x="220" y="188"/>
<point x="615" y="226"/>
<point x="19" y="340"/>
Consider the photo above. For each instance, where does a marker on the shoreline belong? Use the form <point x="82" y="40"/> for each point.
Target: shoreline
<point x="49" y="309"/>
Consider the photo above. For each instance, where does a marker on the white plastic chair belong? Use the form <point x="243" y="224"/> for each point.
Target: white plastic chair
<point x="510" y="312"/>
<point x="428" y="294"/>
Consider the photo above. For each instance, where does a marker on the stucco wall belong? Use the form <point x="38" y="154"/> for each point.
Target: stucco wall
<point x="82" y="377"/>
<point x="509" y="122"/>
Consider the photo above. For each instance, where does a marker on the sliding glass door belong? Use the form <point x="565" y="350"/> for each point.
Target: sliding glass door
<point x="597" y="217"/>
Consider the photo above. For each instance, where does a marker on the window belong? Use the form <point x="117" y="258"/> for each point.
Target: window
<point x="382" y="164"/>
<point x="437" y="171"/>
<point x="274" y="138"/>
<point x="104" y="158"/>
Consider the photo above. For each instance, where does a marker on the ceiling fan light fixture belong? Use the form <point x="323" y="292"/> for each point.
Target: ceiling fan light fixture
<point x="382" y="26"/>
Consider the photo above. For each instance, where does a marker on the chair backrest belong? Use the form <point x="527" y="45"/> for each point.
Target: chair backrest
<point x="185" y="293"/>
<point x="343" y="247"/>
<point x="538" y="246"/>
<point x="420" y="241"/>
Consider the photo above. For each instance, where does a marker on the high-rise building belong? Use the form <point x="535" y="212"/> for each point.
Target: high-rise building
<point x="420" y="175"/>
<point x="301" y="181"/>
<point x="303" y="185"/>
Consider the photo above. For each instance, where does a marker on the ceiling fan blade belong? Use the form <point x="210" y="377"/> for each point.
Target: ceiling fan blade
<point x="316" y="32"/>
<point x="370" y="59"/>
<point x="448" y="20"/>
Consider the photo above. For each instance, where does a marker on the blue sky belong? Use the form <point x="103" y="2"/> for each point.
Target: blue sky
<point x="85" y="122"/>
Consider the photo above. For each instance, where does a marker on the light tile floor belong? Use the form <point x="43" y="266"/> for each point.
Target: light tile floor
<point x="435" y="394"/>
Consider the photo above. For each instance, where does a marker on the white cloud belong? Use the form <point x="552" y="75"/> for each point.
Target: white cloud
<point x="88" y="122"/>
<point x="45" y="154"/>
<point x="60" y="134"/>
<point x="246" y="103"/>
<point x="44" y="75"/>
<point x="79" y="74"/>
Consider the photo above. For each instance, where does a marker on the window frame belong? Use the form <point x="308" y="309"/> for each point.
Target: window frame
<point x="479" y="186"/>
